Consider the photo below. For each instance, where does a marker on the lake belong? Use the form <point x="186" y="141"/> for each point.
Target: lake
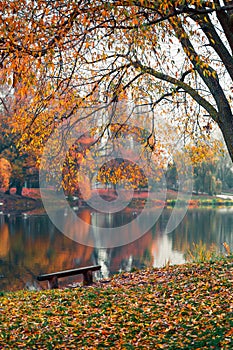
<point x="31" y="244"/>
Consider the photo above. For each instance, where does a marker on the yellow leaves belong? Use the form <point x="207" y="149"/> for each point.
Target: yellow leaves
<point x="183" y="35"/>
<point x="209" y="73"/>
<point x="122" y="172"/>
<point x="214" y="74"/>
<point x="203" y="152"/>
<point x="165" y="6"/>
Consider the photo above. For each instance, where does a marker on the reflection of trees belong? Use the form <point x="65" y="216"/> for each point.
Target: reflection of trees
<point x="4" y="240"/>
<point x="35" y="247"/>
<point x="78" y="230"/>
<point x="32" y="245"/>
<point x="137" y="252"/>
<point x="206" y="225"/>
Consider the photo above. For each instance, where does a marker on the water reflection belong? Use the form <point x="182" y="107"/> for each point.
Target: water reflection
<point x="32" y="245"/>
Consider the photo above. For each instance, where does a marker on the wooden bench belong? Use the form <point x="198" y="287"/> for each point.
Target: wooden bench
<point x="52" y="278"/>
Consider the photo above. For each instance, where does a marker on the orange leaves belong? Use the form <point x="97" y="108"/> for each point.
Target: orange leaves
<point x="202" y="152"/>
<point x="5" y="174"/>
<point x="78" y="166"/>
<point x="60" y="56"/>
<point x="122" y="172"/>
<point x="105" y="13"/>
<point x="135" y="21"/>
<point x="173" y="307"/>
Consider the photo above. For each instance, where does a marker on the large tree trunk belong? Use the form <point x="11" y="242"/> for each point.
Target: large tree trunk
<point x="226" y="126"/>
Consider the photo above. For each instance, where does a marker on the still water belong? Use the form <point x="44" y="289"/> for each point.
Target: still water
<point x="30" y="244"/>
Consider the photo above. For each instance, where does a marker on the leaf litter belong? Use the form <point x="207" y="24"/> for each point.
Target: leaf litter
<point x="186" y="306"/>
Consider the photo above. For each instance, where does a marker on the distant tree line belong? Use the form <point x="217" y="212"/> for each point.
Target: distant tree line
<point x="211" y="177"/>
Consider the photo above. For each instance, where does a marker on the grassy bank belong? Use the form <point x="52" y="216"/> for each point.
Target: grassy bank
<point x="198" y="200"/>
<point x="177" y="307"/>
<point x="201" y="202"/>
<point x="31" y="200"/>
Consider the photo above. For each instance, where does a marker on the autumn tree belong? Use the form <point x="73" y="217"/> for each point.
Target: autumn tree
<point x="72" y="178"/>
<point x="175" y="57"/>
<point x="17" y="166"/>
<point x="5" y="174"/>
<point x="123" y="173"/>
<point x="142" y="162"/>
<point x="89" y="160"/>
<point x="205" y="161"/>
<point x="225" y="171"/>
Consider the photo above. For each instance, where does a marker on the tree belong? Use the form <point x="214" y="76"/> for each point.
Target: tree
<point x="123" y="173"/>
<point x="225" y="171"/>
<point x="205" y="161"/>
<point x="72" y="178"/>
<point x="59" y="56"/>
<point x="171" y="176"/>
<point x="5" y="173"/>
<point x="16" y="166"/>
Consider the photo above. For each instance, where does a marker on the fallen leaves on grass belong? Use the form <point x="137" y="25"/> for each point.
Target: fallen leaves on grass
<point x="179" y="307"/>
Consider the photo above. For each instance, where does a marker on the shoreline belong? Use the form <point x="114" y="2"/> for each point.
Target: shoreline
<point x="31" y="201"/>
<point x="152" y="308"/>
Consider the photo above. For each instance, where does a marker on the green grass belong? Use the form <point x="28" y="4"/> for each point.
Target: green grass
<point x="201" y="202"/>
<point x="175" y="307"/>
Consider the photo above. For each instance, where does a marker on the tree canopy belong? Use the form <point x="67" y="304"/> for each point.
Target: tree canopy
<point x="172" y="57"/>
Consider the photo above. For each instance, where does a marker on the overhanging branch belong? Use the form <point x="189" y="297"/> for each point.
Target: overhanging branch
<point x="178" y="83"/>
